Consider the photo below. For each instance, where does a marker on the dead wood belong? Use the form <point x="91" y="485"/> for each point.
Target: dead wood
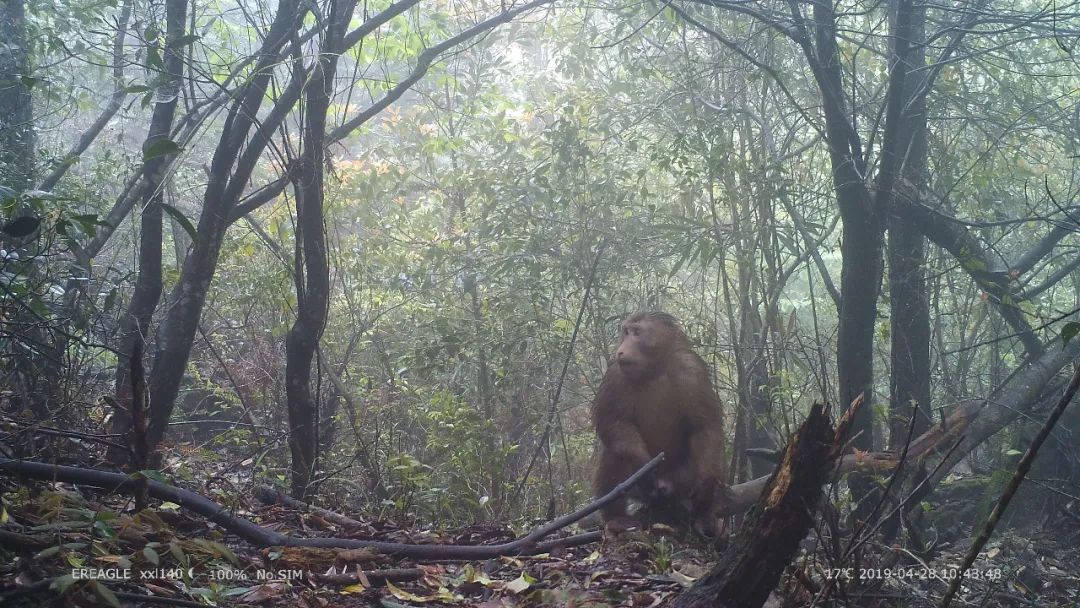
<point x="270" y="496"/>
<point x="770" y="535"/>
<point x="934" y="441"/>
<point x="25" y="542"/>
<point x="140" y="447"/>
<point x="318" y="559"/>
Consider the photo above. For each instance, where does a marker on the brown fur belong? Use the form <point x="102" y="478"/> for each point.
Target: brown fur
<point x="657" y="396"/>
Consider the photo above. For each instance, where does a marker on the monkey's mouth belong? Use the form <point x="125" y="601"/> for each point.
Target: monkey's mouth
<point x="628" y="363"/>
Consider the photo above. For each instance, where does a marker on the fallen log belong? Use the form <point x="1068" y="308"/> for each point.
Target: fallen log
<point x="529" y="544"/>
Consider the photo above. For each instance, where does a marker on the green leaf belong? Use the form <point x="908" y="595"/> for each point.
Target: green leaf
<point x="184" y="222"/>
<point x="47" y="552"/>
<point x="153" y="474"/>
<point x="1069" y="331"/>
<point x="21" y="226"/>
<point x="137" y="88"/>
<point x="104" y="529"/>
<point x="151" y="556"/>
<point x="216" y="549"/>
<point x="972" y="264"/>
<point x="161" y="147"/>
<point x="153" y="59"/>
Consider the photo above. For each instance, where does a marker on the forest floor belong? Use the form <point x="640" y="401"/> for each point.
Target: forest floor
<point x="67" y="546"/>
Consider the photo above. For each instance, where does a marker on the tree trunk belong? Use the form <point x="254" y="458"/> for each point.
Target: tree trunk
<point x="312" y="266"/>
<point x="177" y="330"/>
<point x="36" y="353"/>
<point x="860" y="278"/>
<point x="860" y="283"/>
<point x="909" y="310"/>
<point x="752" y="241"/>
<point x="16" y="110"/>
<point x="135" y="325"/>
<point x="909" y="332"/>
<point x="754" y="382"/>
<point x="908" y="301"/>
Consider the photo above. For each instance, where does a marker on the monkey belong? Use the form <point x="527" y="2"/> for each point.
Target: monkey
<point x="657" y="396"/>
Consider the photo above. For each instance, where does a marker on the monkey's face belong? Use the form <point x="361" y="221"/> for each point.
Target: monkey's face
<point x="638" y="350"/>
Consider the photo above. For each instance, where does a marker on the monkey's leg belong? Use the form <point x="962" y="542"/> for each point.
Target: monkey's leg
<point x="706" y="509"/>
<point x="623" y="453"/>
<point x="611" y="472"/>
<point x="708" y="497"/>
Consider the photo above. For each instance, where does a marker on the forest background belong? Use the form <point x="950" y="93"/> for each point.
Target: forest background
<point x="376" y="252"/>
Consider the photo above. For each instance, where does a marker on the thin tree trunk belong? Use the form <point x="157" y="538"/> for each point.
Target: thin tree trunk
<point x="17" y="138"/>
<point x="908" y="301"/>
<point x="176" y="333"/>
<point x="35" y="355"/>
<point x="135" y="324"/>
<point x="238" y="152"/>
<point x="860" y="277"/>
<point x="312" y="267"/>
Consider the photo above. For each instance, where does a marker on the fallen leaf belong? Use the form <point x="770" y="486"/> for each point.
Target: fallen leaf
<point x="262" y="593"/>
<point x="401" y="594"/>
<point x="519" y="584"/>
<point x="354" y="588"/>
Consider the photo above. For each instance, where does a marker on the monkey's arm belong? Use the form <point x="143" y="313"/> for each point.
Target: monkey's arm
<point x="706" y="442"/>
<point x="615" y="424"/>
<point x="702" y="413"/>
<point x="622" y="440"/>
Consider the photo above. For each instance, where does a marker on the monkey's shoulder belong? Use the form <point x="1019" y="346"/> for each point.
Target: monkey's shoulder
<point x="688" y="366"/>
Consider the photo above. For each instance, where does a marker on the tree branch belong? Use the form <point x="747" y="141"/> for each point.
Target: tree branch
<point x="971" y="255"/>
